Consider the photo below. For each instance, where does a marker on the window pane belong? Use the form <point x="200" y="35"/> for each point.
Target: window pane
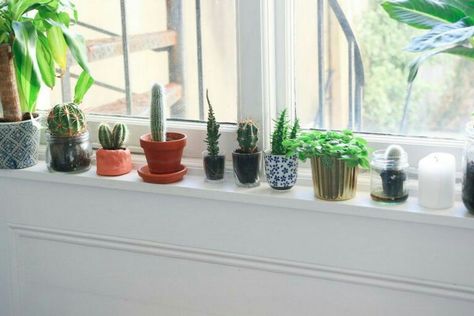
<point x="163" y="45"/>
<point x="443" y="94"/>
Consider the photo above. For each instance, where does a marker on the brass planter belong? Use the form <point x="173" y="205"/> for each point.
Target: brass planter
<point x="333" y="180"/>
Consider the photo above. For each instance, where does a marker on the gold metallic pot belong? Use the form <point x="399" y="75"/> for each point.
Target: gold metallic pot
<point x="333" y="180"/>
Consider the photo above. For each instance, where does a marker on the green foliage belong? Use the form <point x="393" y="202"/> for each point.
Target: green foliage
<point x="330" y="144"/>
<point x="247" y="136"/>
<point x="158" y="116"/>
<point x="113" y="139"/>
<point x="212" y="139"/>
<point x="450" y="24"/>
<point x="283" y="132"/>
<point x="38" y="32"/>
<point x="66" y="120"/>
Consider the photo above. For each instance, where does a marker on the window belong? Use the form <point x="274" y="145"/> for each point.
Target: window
<point x="335" y="63"/>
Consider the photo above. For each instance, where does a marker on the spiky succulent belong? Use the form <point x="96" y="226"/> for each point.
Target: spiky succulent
<point x="282" y="133"/>
<point x="157" y="116"/>
<point x="247" y="136"/>
<point x="66" y="120"/>
<point x="212" y="139"/>
<point x="113" y="139"/>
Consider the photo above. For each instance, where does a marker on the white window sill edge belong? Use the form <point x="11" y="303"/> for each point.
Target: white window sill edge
<point x="300" y="198"/>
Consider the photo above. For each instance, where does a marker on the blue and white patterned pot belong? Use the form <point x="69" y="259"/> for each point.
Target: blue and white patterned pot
<point x="281" y="171"/>
<point x="19" y="144"/>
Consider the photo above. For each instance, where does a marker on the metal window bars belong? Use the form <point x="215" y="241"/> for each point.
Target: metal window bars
<point x="171" y="42"/>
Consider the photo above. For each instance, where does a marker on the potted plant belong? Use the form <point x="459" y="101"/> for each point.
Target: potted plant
<point x="281" y="166"/>
<point x="113" y="159"/>
<point x="68" y="148"/>
<point x="214" y="161"/>
<point x="335" y="161"/>
<point x="163" y="150"/>
<point x="247" y="159"/>
<point x="34" y="38"/>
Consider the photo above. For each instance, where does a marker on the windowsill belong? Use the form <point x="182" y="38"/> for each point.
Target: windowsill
<point x="299" y="198"/>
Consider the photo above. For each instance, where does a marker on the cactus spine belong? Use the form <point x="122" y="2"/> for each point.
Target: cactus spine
<point x="157" y="116"/>
<point x="212" y="139"/>
<point x="247" y="136"/>
<point x="113" y="139"/>
<point x="66" y="120"/>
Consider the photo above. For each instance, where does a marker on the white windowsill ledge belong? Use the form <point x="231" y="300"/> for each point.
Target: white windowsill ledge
<point x="299" y="198"/>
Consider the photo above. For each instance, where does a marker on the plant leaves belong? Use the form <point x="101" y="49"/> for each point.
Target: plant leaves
<point x="83" y="84"/>
<point x="20" y="7"/>
<point x="442" y="36"/>
<point x="24" y="51"/>
<point x="45" y="60"/>
<point x="461" y="51"/>
<point x="423" y="14"/>
<point x="58" y="46"/>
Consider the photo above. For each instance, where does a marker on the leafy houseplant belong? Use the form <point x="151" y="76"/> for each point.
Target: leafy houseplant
<point x="113" y="159"/>
<point x="335" y="161"/>
<point x="163" y="150"/>
<point x="214" y="162"/>
<point x="69" y="149"/>
<point x="450" y="30"/>
<point x="281" y="169"/>
<point x="247" y="159"/>
<point x="34" y="38"/>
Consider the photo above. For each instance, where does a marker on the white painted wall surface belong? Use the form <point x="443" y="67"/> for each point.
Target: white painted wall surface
<point x="76" y="245"/>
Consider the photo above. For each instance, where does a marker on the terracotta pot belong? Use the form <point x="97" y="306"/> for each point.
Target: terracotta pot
<point x="113" y="162"/>
<point x="164" y="157"/>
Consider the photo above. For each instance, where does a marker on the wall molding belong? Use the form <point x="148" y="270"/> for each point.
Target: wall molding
<point x="271" y="265"/>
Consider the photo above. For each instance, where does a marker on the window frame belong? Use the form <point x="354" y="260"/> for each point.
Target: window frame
<point x="265" y="86"/>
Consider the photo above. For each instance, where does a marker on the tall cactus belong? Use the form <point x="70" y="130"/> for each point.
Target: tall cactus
<point x="66" y="120"/>
<point x="157" y="116"/>
<point x="113" y="139"/>
<point x="247" y="136"/>
<point x="212" y="139"/>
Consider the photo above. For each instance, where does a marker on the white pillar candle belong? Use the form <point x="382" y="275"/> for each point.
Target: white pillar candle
<point x="436" y="181"/>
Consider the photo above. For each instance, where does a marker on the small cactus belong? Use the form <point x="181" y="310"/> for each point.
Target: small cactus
<point x="157" y="116"/>
<point x="247" y="136"/>
<point x="394" y="152"/>
<point x="113" y="139"/>
<point x="66" y="120"/>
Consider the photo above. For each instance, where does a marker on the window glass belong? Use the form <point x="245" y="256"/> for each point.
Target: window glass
<point x="187" y="46"/>
<point x="443" y="94"/>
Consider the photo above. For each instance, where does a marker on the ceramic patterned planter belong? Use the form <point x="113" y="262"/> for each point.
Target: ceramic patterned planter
<point x="19" y="144"/>
<point x="281" y="171"/>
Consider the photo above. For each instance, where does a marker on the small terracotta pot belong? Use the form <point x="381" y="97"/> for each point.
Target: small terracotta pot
<point x="164" y="157"/>
<point x="113" y="162"/>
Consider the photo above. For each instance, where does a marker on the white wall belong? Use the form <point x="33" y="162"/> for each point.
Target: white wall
<point x="70" y="249"/>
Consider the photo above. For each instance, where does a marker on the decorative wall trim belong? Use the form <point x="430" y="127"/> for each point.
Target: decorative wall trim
<point x="272" y="265"/>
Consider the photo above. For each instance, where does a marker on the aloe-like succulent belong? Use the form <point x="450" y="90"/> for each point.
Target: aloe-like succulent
<point x="213" y="135"/>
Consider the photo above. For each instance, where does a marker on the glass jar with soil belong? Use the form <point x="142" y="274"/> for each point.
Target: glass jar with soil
<point x="468" y="168"/>
<point x="389" y="175"/>
<point x="68" y="154"/>
<point x="214" y="166"/>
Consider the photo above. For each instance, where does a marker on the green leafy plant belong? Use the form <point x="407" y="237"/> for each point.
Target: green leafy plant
<point x="39" y="36"/>
<point x="247" y="136"/>
<point x="213" y="135"/>
<point x="450" y="25"/>
<point x="113" y="139"/>
<point x="330" y="144"/>
<point x="282" y="133"/>
<point x="66" y="120"/>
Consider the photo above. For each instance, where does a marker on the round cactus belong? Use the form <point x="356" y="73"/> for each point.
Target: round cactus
<point x="120" y="135"/>
<point x="113" y="139"/>
<point x="247" y="136"/>
<point x="394" y="152"/>
<point x="66" y="120"/>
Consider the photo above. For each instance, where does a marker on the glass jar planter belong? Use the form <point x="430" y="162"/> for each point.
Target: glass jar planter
<point x="468" y="169"/>
<point x="247" y="168"/>
<point x="68" y="154"/>
<point x="388" y="177"/>
<point x="214" y="166"/>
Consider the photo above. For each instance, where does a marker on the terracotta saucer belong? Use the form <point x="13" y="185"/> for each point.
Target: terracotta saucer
<point x="149" y="177"/>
